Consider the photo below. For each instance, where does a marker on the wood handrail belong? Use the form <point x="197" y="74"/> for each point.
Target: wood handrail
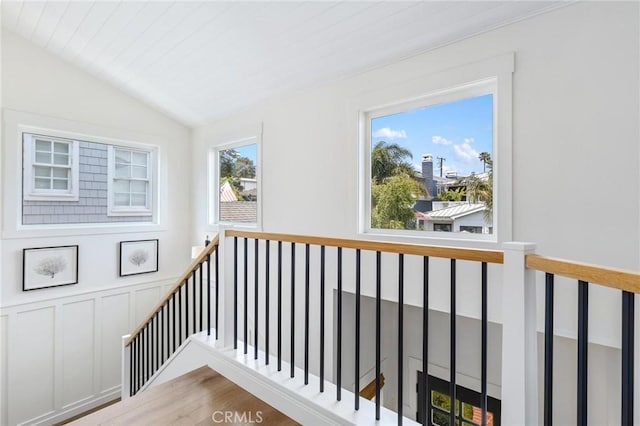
<point x="369" y="391"/>
<point x="477" y="255"/>
<point x="608" y="277"/>
<point x="202" y="257"/>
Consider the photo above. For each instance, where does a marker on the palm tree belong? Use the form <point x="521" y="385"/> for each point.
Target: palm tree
<point x="485" y="157"/>
<point x="389" y="160"/>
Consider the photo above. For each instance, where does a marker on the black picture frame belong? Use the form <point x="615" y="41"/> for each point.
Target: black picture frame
<point x="138" y="257"/>
<point x="46" y="267"/>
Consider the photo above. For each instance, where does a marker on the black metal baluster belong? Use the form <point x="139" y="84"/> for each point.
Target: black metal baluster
<point x="293" y="308"/>
<point x="132" y="363"/>
<point x="426" y="401"/>
<point x="266" y="303"/>
<point x="452" y="350"/>
<point x="154" y="343"/>
<point x="186" y="308"/>
<point x="235" y="292"/>
<point x="194" y="300"/>
<point x="378" y="327"/>
<point x="180" y="316"/>
<point x="356" y="377"/>
<point x="628" y="319"/>
<point x="216" y="276"/>
<point x="255" y="302"/>
<point x="321" y="318"/>
<point x="583" y="339"/>
<point x="139" y="370"/>
<point x="246" y="294"/>
<point x="306" y="316"/>
<point x="339" y="331"/>
<point x="279" y="305"/>
<point x="147" y="352"/>
<point x="173" y="302"/>
<point x="150" y="348"/>
<point x="485" y="325"/>
<point x="202" y="298"/>
<point x="400" y="334"/>
<point x="548" y="351"/>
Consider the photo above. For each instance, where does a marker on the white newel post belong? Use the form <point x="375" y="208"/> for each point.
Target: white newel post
<point x="126" y="368"/>
<point x="226" y="260"/>
<point x="519" y="338"/>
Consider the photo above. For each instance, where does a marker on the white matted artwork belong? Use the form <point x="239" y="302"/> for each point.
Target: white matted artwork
<point x="138" y="257"/>
<point x="49" y="267"/>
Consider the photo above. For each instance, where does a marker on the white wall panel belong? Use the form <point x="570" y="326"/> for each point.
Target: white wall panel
<point x="78" y="351"/>
<point x="145" y="300"/>
<point x="3" y="368"/>
<point x="115" y="309"/>
<point x="31" y="361"/>
<point x="70" y="347"/>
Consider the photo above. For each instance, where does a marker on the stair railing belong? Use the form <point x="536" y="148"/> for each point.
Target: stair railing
<point x="629" y="283"/>
<point x="180" y="313"/>
<point x="262" y="245"/>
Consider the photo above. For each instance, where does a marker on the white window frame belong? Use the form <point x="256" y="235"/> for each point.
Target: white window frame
<point x="214" y="180"/>
<point x="30" y="192"/>
<point x="112" y="209"/>
<point x="450" y="84"/>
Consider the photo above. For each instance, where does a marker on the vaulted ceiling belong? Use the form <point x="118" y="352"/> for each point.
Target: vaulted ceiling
<point x="201" y="60"/>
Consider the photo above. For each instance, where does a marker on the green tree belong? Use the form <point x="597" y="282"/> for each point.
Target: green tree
<point x="485" y="157"/>
<point x="393" y="201"/>
<point x="452" y="195"/>
<point x="389" y="160"/>
<point x="228" y="159"/>
<point x="244" y="168"/>
<point x="481" y="190"/>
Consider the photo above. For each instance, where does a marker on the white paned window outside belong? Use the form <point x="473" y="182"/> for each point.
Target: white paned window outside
<point x="130" y="181"/>
<point x="50" y="168"/>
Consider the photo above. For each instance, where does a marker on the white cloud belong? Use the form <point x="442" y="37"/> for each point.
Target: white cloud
<point x="469" y="140"/>
<point x="387" y="133"/>
<point x="465" y="152"/>
<point x="439" y="140"/>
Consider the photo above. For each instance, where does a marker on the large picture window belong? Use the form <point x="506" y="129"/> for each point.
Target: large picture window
<point x="430" y="164"/>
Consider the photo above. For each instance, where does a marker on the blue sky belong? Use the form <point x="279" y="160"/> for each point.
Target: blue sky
<point x="249" y="151"/>
<point x="457" y="131"/>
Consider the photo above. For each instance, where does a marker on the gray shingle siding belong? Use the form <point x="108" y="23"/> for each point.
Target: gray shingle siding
<point x="92" y="204"/>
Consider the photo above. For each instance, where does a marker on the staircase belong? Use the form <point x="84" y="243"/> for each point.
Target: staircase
<point x="308" y="347"/>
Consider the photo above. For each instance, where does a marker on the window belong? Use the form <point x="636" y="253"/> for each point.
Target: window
<point x="432" y="159"/>
<point x="442" y="227"/>
<point x="50" y="168"/>
<point x="439" y="405"/>
<point x="471" y="229"/>
<point x="129" y="181"/>
<point x="236" y="183"/>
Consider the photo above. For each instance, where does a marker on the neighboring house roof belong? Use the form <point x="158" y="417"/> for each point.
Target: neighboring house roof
<point x="250" y="193"/>
<point x="456" y="211"/>
<point x="227" y="193"/>
<point x="238" y="211"/>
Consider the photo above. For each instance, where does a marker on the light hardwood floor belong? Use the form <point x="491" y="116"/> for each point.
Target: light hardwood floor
<point x="201" y="397"/>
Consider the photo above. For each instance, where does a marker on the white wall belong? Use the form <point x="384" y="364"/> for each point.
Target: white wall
<point x="575" y="109"/>
<point x="575" y="140"/>
<point x="61" y="346"/>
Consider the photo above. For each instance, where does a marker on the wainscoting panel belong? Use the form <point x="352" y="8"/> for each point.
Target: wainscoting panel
<point x="116" y="308"/>
<point x="146" y="299"/>
<point x="78" y="351"/>
<point x="31" y="361"/>
<point x="61" y="357"/>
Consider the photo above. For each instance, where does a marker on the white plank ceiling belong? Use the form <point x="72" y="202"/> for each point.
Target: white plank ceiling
<point x="197" y="61"/>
